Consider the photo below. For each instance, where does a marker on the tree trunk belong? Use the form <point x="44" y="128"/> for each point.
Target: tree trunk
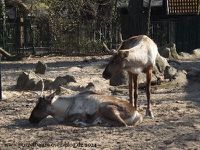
<point x="3" y="19"/>
<point x="149" y="18"/>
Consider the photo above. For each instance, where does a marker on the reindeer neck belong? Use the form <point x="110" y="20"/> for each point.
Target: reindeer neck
<point x="62" y="104"/>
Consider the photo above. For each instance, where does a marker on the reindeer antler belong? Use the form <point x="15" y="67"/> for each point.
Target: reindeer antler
<point x="120" y="37"/>
<point x="106" y="47"/>
<point x="112" y="51"/>
<point x="42" y="91"/>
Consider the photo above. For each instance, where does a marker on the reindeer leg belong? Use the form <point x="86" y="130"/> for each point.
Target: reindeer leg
<point x="130" y="87"/>
<point x="135" y="77"/>
<point x="148" y="92"/>
<point x="111" y="113"/>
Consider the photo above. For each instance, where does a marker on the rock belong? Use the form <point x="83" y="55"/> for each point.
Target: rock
<point x="173" y="51"/>
<point x="165" y="52"/>
<point x="161" y="64"/>
<point x="40" y="68"/>
<point x="59" y="81"/>
<point x="119" y="79"/>
<point x="64" y="91"/>
<point x="47" y="84"/>
<point x="31" y="81"/>
<point x="169" y="51"/>
<point x="185" y="55"/>
<point x="142" y="80"/>
<point x="170" y="72"/>
<point x="122" y="78"/>
<point x="196" y="53"/>
<point x="27" y="81"/>
<point x="95" y="85"/>
<point x="180" y="78"/>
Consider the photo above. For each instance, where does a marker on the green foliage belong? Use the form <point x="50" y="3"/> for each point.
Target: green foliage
<point x="2" y="9"/>
<point x="69" y="18"/>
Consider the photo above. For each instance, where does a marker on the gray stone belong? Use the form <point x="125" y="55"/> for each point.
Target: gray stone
<point x="196" y="52"/>
<point x="185" y="55"/>
<point x="169" y="51"/>
<point x="31" y="81"/>
<point x="173" y="51"/>
<point x="161" y="64"/>
<point x="47" y="84"/>
<point x="180" y="78"/>
<point x="59" y="81"/>
<point x="40" y="67"/>
<point x="27" y="81"/>
<point x="165" y="52"/>
<point x="170" y="72"/>
<point x="119" y="79"/>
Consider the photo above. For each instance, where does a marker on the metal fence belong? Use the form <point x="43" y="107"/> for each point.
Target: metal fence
<point x="38" y="37"/>
<point x="86" y="38"/>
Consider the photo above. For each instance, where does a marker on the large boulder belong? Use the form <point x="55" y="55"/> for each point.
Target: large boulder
<point x="31" y="81"/>
<point x="27" y="81"/>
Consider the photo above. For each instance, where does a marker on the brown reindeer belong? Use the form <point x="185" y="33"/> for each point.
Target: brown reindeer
<point x="86" y="108"/>
<point x="135" y="55"/>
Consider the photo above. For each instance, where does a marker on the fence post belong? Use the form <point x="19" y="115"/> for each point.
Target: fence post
<point x="0" y="81"/>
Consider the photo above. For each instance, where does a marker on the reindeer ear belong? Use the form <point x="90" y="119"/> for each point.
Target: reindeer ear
<point x="123" y="54"/>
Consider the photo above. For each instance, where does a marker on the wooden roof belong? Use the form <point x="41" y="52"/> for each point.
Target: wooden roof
<point x="183" y="7"/>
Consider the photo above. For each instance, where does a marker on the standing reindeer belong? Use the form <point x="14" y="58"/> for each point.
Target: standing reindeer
<point x="135" y="55"/>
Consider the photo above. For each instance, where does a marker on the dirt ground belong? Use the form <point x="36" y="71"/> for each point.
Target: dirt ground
<point x="177" y="115"/>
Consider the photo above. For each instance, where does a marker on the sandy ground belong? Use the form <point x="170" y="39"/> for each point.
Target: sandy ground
<point x="176" y="124"/>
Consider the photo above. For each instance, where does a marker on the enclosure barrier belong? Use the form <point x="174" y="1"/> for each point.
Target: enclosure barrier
<point x="0" y="81"/>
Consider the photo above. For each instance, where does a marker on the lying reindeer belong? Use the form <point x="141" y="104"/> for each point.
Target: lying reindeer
<point x="88" y="107"/>
<point x="135" y="55"/>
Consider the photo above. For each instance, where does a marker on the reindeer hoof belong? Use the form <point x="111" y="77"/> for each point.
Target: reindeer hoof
<point x="149" y="113"/>
<point x="138" y="118"/>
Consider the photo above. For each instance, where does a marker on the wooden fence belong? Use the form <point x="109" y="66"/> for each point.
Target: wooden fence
<point x="184" y="31"/>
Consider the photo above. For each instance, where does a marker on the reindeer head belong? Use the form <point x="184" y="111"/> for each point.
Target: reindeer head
<point x="40" y="111"/>
<point x="116" y="64"/>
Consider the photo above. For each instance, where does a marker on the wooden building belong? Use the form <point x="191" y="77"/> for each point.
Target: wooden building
<point x="25" y="33"/>
<point x="175" y="21"/>
<point x="17" y="27"/>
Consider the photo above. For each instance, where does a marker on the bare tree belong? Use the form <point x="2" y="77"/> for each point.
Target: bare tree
<point x="3" y="18"/>
<point x="149" y="18"/>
